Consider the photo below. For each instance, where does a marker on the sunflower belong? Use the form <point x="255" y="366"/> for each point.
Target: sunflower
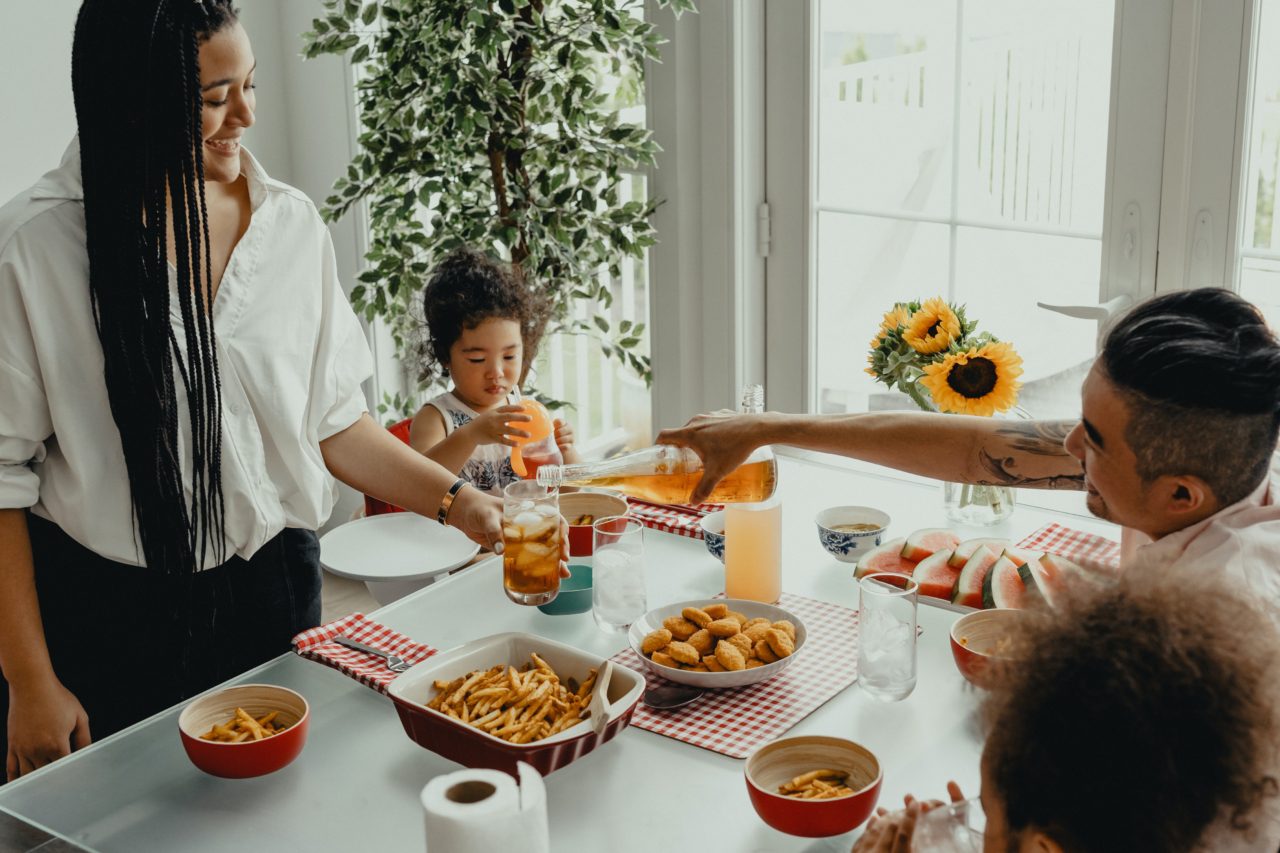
<point x="933" y="328"/>
<point x="893" y="320"/>
<point x="981" y="381"/>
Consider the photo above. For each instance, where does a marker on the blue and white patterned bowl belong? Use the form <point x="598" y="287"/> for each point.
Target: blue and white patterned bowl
<point x="849" y="546"/>
<point x="713" y="533"/>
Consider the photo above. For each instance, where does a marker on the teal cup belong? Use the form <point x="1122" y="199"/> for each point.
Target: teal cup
<point x="575" y="593"/>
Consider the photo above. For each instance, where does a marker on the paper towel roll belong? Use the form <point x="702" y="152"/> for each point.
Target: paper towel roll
<point x="483" y="811"/>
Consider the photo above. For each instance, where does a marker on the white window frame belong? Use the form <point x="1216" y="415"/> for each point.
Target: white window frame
<point x="1181" y="83"/>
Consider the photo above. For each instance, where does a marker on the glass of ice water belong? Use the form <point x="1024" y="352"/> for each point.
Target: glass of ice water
<point x="618" y="595"/>
<point x="887" y="635"/>
<point x="954" y="828"/>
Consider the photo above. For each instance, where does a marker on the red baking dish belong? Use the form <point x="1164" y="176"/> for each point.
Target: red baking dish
<point x="472" y="747"/>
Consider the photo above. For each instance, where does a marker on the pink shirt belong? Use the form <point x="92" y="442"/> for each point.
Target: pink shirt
<point x="1243" y="540"/>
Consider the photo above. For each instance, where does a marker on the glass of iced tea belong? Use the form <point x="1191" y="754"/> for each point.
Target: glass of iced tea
<point x="531" y="542"/>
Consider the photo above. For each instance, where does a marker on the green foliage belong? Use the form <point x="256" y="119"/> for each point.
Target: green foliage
<point x="486" y="124"/>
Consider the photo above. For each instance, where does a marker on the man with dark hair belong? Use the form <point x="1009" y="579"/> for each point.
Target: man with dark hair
<point x="1176" y="440"/>
<point x="1142" y="716"/>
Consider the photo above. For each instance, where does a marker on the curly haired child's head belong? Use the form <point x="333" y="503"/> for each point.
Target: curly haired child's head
<point x="466" y="289"/>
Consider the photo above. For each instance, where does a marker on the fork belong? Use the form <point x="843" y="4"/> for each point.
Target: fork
<point x="395" y="663"/>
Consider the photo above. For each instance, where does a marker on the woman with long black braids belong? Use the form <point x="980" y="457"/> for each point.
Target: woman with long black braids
<point x="179" y="382"/>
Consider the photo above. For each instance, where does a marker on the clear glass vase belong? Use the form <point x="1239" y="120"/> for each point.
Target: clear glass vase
<point x="977" y="506"/>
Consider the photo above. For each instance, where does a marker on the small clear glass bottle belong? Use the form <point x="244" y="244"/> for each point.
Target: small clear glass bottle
<point x="664" y="474"/>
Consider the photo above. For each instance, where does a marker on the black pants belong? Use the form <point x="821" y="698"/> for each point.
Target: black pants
<point x="129" y="641"/>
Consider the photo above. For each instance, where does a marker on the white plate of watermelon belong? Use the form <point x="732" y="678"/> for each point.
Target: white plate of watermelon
<point x="971" y="574"/>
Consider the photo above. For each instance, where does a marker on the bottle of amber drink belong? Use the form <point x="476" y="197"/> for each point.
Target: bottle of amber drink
<point x="667" y="475"/>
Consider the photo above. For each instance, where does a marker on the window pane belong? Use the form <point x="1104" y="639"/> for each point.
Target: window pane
<point x="962" y="152"/>
<point x="1258" y="253"/>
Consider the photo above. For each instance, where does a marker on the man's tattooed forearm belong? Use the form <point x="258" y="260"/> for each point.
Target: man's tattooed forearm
<point x="1042" y="439"/>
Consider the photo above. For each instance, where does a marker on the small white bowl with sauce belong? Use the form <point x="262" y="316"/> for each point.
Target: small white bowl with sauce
<point x="849" y="532"/>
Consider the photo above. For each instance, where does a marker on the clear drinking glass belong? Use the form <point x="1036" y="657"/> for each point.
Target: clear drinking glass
<point x="887" y="635"/>
<point x="618" y="595"/>
<point x="953" y="828"/>
<point x="530" y="542"/>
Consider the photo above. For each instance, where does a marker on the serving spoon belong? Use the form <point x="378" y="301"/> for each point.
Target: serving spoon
<point x="669" y="697"/>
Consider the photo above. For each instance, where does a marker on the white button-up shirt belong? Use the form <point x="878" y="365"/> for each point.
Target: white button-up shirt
<point x="291" y="356"/>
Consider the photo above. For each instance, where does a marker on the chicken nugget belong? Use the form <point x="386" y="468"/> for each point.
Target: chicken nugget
<point x="722" y="628"/>
<point x="717" y="611"/>
<point x="744" y="645"/>
<point x="696" y="615"/>
<point x="712" y="664"/>
<point x="764" y="652"/>
<point x="664" y="659"/>
<point x="680" y="627"/>
<point x="740" y="617"/>
<point x="684" y="653"/>
<point x="752" y="663"/>
<point x="702" y="641"/>
<point x="755" y="633"/>
<point x="655" y="641"/>
<point x="780" y="642"/>
<point x="785" y="625"/>
<point x="729" y="656"/>
<point x="759" y="620"/>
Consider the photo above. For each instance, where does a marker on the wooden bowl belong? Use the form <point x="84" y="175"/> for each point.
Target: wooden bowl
<point x="598" y="504"/>
<point x="976" y="639"/>
<point x="780" y="761"/>
<point x="250" y="757"/>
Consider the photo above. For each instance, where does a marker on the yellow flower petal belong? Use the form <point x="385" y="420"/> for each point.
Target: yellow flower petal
<point x="981" y="381"/>
<point x="933" y="328"/>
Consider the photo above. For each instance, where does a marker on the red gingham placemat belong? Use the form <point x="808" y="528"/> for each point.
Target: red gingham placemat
<point x="680" y="519"/>
<point x="734" y="722"/>
<point x="368" y="669"/>
<point x="1088" y="548"/>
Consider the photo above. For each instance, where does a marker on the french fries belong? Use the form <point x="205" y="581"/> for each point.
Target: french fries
<point x="817" y="785"/>
<point x="584" y="520"/>
<point x="244" y="726"/>
<point x="520" y="706"/>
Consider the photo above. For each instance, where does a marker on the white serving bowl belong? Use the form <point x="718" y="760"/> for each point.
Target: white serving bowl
<point x="652" y="621"/>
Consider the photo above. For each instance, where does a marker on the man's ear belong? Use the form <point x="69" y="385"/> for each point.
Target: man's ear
<point x="1184" y="495"/>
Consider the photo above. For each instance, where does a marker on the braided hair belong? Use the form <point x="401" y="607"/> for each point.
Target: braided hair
<point x="143" y="168"/>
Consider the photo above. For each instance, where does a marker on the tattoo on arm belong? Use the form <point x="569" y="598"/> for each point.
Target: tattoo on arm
<point x="1020" y="443"/>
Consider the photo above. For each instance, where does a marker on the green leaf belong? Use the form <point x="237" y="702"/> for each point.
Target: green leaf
<point x="601" y="323"/>
<point x="369" y="14"/>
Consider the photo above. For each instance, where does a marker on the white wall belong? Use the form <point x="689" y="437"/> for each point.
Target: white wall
<point x="35" y="89"/>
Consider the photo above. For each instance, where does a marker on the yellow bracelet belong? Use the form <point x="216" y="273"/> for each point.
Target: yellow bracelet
<point x="446" y="503"/>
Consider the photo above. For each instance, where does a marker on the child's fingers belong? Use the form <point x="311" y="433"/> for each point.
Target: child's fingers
<point x="508" y="407"/>
<point x="516" y="433"/>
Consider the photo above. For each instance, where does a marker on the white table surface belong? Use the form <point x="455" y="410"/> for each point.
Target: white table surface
<point x="356" y="784"/>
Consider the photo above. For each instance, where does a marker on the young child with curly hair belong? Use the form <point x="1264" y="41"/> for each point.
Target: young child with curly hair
<point x="483" y="326"/>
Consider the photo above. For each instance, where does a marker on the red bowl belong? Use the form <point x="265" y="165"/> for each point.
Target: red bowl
<point x="598" y="504"/>
<point x="782" y="760"/>
<point x="251" y="757"/>
<point x="975" y="638"/>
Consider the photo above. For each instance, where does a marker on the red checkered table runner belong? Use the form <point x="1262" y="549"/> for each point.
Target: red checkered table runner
<point x="734" y="722"/>
<point x="1089" y="549"/>
<point x="317" y="644"/>
<point x="680" y="519"/>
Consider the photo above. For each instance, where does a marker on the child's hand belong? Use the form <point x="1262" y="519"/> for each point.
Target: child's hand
<point x="564" y="435"/>
<point x="491" y="427"/>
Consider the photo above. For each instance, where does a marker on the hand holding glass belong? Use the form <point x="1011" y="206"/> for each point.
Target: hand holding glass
<point x="531" y="542"/>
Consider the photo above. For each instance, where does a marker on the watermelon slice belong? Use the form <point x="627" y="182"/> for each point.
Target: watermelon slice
<point x="935" y="575"/>
<point x="968" y="589"/>
<point x="928" y="541"/>
<point x="1019" y="556"/>
<point x="886" y="558"/>
<point x="1047" y="577"/>
<point x="966" y="549"/>
<point x="1003" y="586"/>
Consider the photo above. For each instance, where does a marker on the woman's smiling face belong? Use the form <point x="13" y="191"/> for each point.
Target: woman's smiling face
<point x="226" y="83"/>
